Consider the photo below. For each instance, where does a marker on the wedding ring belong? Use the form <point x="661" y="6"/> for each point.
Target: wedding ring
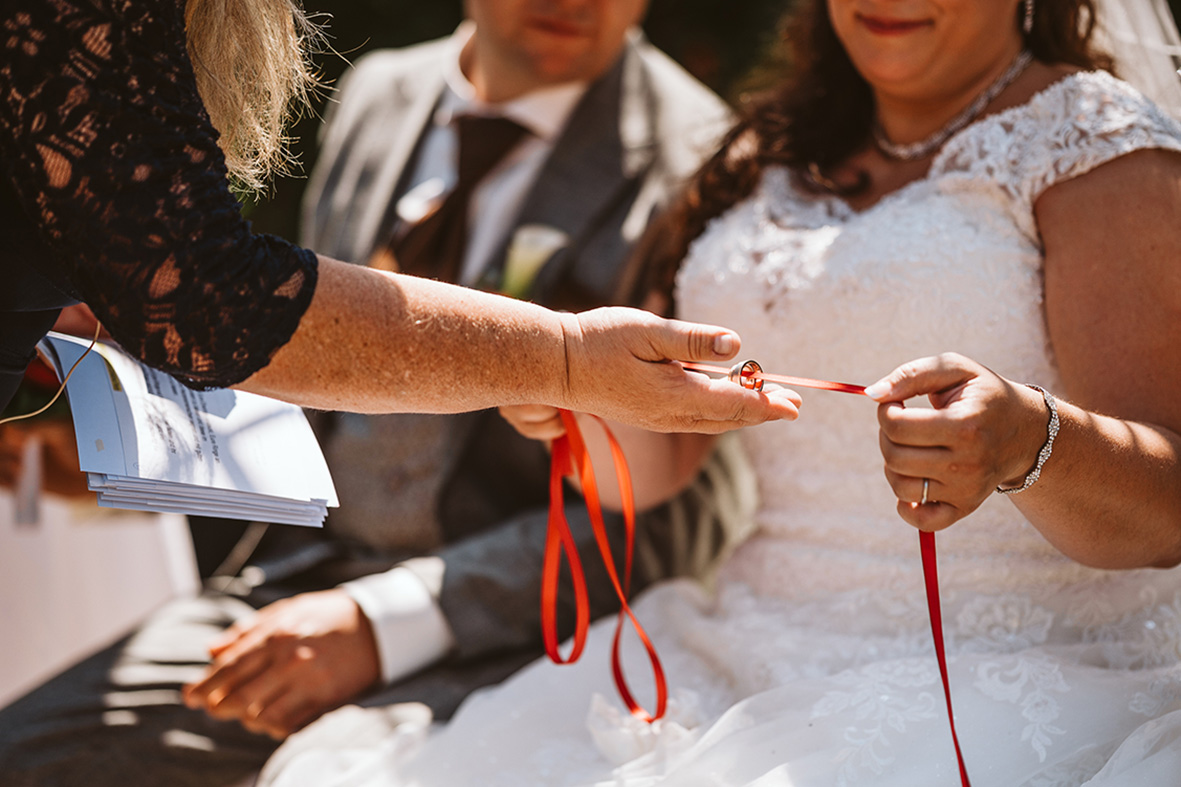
<point x="744" y="374"/>
<point x="926" y="488"/>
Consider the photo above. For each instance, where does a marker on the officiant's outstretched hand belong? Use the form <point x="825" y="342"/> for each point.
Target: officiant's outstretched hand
<point x="441" y="348"/>
<point x="176" y="275"/>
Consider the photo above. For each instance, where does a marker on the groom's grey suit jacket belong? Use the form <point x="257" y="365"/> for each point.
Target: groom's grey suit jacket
<point x="637" y="134"/>
<point x="468" y="488"/>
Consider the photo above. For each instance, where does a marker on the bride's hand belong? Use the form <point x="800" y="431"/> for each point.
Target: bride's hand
<point x="535" y="421"/>
<point x="984" y="432"/>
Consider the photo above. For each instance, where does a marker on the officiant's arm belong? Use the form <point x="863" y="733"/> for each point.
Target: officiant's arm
<point x="378" y="342"/>
<point x="1109" y="494"/>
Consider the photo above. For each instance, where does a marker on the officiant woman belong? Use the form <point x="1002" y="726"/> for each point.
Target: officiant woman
<point x="118" y="124"/>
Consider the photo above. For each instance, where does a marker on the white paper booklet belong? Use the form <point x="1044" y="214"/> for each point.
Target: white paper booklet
<point x="148" y="443"/>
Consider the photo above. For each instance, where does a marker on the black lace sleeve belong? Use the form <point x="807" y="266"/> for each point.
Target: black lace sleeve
<point x="112" y="154"/>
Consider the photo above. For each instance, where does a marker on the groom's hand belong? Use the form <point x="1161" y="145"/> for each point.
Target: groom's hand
<point x="289" y="664"/>
<point x="534" y="421"/>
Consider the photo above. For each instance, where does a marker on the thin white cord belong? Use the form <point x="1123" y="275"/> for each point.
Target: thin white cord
<point x="97" y="330"/>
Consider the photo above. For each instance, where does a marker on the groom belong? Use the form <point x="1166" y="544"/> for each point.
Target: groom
<point x="424" y="584"/>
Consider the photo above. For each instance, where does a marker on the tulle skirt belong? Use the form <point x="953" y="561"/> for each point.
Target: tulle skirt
<point x="842" y="689"/>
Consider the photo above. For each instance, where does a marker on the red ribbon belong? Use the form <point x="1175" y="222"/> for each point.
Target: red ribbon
<point x="758" y="374"/>
<point x="569" y="455"/>
<point x="931" y="579"/>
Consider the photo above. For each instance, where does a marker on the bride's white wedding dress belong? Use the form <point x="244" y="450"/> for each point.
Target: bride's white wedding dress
<point x="813" y="663"/>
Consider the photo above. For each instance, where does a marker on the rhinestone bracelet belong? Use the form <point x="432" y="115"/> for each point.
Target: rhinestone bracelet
<point x="1044" y="454"/>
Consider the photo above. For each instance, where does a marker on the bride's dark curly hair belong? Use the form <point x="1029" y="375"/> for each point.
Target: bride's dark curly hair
<point x="818" y="116"/>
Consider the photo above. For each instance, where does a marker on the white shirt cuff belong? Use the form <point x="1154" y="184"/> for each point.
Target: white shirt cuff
<point x="410" y="628"/>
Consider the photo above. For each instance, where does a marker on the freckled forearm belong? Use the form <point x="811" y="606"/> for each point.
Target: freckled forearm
<point x="377" y="342"/>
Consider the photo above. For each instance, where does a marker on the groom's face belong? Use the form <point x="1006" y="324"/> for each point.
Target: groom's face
<point x="554" y="41"/>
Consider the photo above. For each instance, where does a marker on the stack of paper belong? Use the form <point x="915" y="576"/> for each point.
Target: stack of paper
<point x="148" y="443"/>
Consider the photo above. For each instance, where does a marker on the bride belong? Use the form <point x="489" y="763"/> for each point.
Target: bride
<point x="934" y="176"/>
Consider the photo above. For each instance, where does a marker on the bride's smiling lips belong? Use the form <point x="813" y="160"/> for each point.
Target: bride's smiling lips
<point x="885" y="26"/>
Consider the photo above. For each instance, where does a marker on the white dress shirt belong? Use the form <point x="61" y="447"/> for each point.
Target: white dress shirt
<point x="410" y="628"/>
<point x="497" y="200"/>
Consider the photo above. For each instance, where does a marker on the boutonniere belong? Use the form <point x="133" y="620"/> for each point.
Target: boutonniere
<point x="532" y="245"/>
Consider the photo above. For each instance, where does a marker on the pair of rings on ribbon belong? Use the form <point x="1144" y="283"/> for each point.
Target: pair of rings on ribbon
<point x="747" y="374"/>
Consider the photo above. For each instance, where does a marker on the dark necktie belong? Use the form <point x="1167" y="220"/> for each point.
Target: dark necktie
<point x="434" y="246"/>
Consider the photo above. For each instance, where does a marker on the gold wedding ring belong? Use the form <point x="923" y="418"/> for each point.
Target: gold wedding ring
<point x="745" y="374"/>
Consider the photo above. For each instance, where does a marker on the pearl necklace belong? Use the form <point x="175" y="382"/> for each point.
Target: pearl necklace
<point x="924" y="147"/>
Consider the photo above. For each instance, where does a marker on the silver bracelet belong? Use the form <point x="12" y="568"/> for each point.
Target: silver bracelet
<point x="1044" y="454"/>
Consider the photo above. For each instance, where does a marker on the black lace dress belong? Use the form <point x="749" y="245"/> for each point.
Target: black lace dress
<point x="114" y="192"/>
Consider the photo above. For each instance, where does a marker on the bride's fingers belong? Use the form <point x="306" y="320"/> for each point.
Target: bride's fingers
<point x="916" y="488"/>
<point x="915" y="461"/>
<point x="921" y="501"/>
<point x="931" y="516"/>
<point x="914" y="425"/>
<point x="924" y="376"/>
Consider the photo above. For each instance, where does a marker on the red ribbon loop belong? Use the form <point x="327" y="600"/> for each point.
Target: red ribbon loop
<point x="559" y="540"/>
<point x="570" y="454"/>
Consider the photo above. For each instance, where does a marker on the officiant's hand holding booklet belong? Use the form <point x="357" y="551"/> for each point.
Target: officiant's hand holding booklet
<point x="148" y="443"/>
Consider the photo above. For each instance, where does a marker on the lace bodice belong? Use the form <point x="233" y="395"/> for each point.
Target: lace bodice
<point x="950" y="262"/>
<point x="122" y="191"/>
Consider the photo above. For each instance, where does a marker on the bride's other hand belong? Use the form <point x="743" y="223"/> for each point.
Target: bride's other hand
<point x="535" y="421"/>
<point x="982" y="431"/>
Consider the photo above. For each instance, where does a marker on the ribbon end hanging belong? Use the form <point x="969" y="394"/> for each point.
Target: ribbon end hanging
<point x="935" y="613"/>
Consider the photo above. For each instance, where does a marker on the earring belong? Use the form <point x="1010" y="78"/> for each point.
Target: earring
<point x="1027" y="22"/>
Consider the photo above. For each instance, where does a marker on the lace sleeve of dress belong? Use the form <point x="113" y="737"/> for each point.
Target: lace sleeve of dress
<point x="1066" y="130"/>
<point x="109" y="146"/>
<point x="1081" y="122"/>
